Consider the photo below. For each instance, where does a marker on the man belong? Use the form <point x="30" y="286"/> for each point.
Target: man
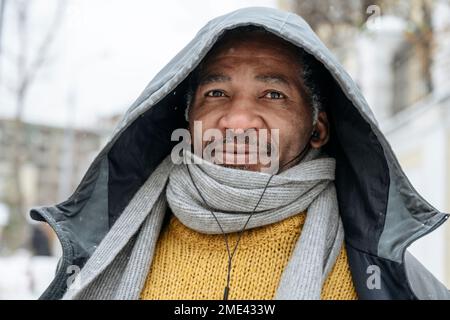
<point x="329" y="216"/>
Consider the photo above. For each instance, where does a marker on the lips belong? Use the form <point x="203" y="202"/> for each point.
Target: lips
<point x="239" y="149"/>
<point x="237" y="153"/>
<point x="242" y="155"/>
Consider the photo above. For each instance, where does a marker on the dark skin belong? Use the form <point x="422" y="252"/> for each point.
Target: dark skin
<point x="254" y="83"/>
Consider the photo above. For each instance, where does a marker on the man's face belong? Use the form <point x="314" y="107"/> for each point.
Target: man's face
<point x="252" y="85"/>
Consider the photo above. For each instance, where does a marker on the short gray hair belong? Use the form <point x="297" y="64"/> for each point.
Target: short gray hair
<point x="310" y="75"/>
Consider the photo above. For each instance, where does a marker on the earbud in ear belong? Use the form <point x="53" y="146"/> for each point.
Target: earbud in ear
<point x="315" y="134"/>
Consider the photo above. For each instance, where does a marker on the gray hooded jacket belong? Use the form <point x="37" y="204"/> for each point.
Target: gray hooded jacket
<point x="381" y="211"/>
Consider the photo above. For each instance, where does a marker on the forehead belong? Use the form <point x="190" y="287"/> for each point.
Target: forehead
<point x="254" y="48"/>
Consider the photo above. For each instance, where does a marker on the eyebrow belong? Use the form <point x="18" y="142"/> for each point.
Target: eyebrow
<point x="266" y="78"/>
<point x="212" y="78"/>
<point x="273" y="79"/>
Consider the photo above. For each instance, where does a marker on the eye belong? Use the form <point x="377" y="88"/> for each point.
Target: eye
<point x="215" y="94"/>
<point x="275" y="95"/>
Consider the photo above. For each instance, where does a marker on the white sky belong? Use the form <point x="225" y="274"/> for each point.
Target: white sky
<point x="105" y="53"/>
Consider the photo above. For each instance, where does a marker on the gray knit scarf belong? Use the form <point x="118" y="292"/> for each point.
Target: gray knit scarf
<point x="119" y="266"/>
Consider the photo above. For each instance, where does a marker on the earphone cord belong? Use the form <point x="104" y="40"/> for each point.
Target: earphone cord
<point x="231" y="254"/>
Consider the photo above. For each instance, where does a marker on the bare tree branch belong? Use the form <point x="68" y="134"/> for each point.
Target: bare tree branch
<point x="47" y="41"/>
<point x="27" y="75"/>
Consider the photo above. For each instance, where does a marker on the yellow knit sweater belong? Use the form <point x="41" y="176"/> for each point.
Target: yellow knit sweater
<point x="191" y="265"/>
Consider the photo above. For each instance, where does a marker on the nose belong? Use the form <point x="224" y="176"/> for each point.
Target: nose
<point x="241" y="115"/>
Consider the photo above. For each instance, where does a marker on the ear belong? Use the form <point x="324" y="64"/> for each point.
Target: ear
<point x="323" y="129"/>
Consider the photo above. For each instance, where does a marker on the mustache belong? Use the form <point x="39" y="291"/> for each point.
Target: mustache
<point x="241" y="139"/>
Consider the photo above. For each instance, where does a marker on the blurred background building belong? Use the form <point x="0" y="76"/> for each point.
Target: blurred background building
<point x="68" y="69"/>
